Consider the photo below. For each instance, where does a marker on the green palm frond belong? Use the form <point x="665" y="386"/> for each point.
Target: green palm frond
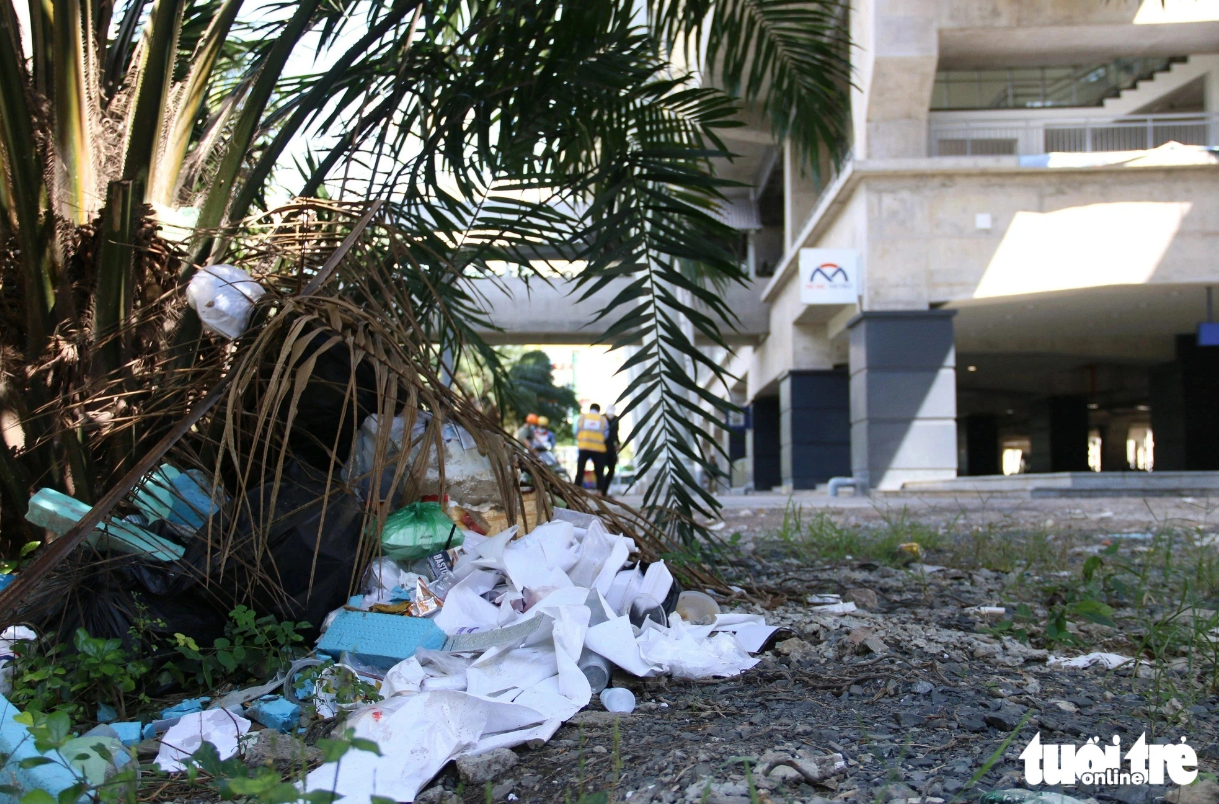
<point x="500" y="134"/>
<point x="790" y="57"/>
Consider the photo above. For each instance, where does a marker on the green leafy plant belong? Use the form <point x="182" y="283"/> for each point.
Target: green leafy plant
<point x="252" y="646"/>
<point x="10" y="566"/>
<point x="72" y="680"/>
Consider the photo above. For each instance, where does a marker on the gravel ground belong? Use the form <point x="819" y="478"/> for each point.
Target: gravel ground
<point x="920" y="699"/>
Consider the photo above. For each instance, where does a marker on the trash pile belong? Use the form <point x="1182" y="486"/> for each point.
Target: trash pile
<point x="473" y="642"/>
<point x="516" y="634"/>
<point x="330" y="475"/>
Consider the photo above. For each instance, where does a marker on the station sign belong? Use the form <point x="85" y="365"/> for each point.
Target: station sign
<point x="829" y="276"/>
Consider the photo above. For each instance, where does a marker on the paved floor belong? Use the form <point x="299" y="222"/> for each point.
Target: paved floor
<point x="1093" y="514"/>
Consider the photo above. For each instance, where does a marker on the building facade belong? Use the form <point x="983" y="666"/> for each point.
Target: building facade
<point x="1030" y="213"/>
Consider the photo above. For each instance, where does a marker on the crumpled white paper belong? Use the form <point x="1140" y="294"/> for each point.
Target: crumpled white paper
<point x="405" y="676"/>
<point x="439" y="706"/>
<point x="220" y="727"/>
<point x="418" y="734"/>
<point x="677" y="650"/>
<point x="1110" y="661"/>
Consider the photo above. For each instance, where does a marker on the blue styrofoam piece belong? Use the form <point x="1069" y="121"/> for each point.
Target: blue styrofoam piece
<point x="193" y="503"/>
<point x="6" y="579"/>
<point x="380" y="636"/>
<point x="106" y="713"/>
<point x="155" y="496"/>
<point x="275" y="712"/>
<point x="58" y="512"/>
<point x="355" y="601"/>
<point x="17" y="744"/>
<point x="183" y="498"/>
<point x="130" y="732"/>
<point x="184" y="708"/>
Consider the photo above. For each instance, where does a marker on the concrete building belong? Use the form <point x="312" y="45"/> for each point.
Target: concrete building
<point x="1031" y="250"/>
<point x="1026" y="228"/>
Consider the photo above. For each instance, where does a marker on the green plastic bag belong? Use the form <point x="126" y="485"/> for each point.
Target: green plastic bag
<point x="417" y="531"/>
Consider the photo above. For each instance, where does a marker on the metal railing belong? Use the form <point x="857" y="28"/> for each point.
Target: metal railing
<point x="1027" y="136"/>
<point x="1044" y="87"/>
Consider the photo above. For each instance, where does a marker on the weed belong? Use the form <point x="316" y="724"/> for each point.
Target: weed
<point x="991" y="760"/>
<point x="59" y="679"/>
<point x="818" y="537"/>
<point x="252" y="646"/>
<point x="75" y="679"/>
<point x="753" y="790"/>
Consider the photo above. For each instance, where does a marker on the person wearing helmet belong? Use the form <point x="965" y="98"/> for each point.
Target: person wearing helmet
<point x="543" y="437"/>
<point x="525" y="433"/>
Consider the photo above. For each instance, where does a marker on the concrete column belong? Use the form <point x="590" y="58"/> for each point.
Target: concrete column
<point x="903" y="397"/>
<point x="766" y="467"/>
<point x="1113" y="445"/>
<point x="800" y="191"/>
<point x="815" y="427"/>
<point x="1183" y="400"/>
<point x="982" y="445"/>
<point x="1059" y="434"/>
<point x="894" y="63"/>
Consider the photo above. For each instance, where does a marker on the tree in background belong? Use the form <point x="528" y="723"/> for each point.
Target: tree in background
<point x="530" y="388"/>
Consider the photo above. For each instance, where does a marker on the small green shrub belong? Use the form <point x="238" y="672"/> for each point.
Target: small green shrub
<point x="252" y="647"/>
<point x="74" y="679"/>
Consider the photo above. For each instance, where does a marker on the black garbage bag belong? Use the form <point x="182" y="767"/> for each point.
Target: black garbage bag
<point x="324" y="413"/>
<point x="132" y="598"/>
<point x="311" y="555"/>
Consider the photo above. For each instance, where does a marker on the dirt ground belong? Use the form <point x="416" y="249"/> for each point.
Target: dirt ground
<point x="916" y="696"/>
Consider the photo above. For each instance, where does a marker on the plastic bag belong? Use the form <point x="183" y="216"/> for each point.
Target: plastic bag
<point x="223" y="296"/>
<point x="417" y="531"/>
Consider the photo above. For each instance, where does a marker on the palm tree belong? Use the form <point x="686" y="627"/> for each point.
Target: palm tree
<point x="495" y="132"/>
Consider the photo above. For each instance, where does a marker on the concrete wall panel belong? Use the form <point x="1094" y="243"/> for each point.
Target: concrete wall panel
<point x="904" y="395"/>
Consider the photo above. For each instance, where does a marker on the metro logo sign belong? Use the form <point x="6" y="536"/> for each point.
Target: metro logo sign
<point x="829" y="276"/>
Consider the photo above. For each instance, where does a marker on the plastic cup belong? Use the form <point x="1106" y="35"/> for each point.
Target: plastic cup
<point x="596" y="669"/>
<point x="618" y="699"/>
<point x="697" y="608"/>
<point x="644" y="608"/>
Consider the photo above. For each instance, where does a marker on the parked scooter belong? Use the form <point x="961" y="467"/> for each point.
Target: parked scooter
<point x="543" y="447"/>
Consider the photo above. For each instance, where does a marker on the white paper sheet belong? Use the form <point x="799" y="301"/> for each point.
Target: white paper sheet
<point x="220" y="727"/>
<point x="417" y="738"/>
<point x="615" y="640"/>
<point x="464" y="606"/>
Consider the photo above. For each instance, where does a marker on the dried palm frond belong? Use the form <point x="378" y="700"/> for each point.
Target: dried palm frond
<point x="297" y="517"/>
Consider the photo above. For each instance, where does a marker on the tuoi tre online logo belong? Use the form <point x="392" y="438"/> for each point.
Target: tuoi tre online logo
<point x="1093" y="763"/>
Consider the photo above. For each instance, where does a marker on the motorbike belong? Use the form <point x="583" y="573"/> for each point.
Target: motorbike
<point x="547" y="456"/>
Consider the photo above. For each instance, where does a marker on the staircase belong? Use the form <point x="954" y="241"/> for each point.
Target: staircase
<point x="1147" y="92"/>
